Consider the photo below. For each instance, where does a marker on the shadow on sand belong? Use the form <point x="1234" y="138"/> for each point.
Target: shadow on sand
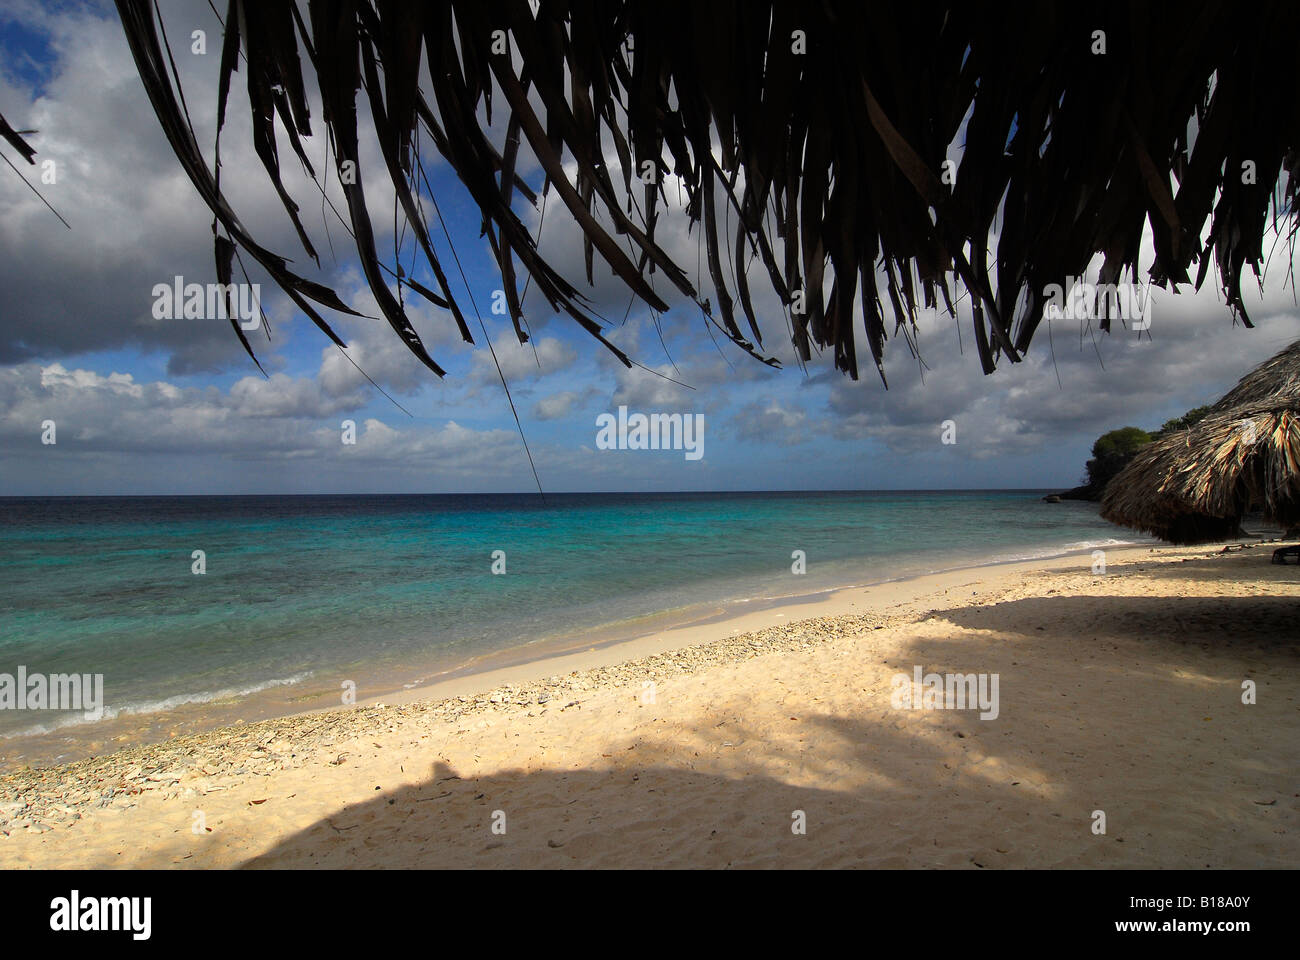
<point x="1187" y="786"/>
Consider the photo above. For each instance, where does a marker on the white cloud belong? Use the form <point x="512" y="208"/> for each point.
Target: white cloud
<point x="769" y="422"/>
<point x="652" y="389"/>
<point x="520" y="362"/>
<point x="560" y="405"/>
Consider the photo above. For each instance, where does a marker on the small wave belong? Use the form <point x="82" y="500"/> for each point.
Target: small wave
<point x="974" y="563"/>
<point x="78" y="718"/>
<point x="1063" y="549"/>
<point x="1106" y="542"/>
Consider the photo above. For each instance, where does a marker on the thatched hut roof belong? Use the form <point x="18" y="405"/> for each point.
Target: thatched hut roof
<point x="1275" y="380"/>
<point x="812" y="141"/>
<point x="1195" y="485"/>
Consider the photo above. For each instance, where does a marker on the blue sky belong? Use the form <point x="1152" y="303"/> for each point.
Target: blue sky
<point x="148" y="406"/>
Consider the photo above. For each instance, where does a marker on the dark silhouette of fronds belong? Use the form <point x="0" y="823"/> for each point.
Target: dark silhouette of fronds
<point x="819" y="131"/>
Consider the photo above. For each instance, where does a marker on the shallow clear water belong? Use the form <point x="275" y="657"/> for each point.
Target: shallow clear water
<point x="304" y="588"/>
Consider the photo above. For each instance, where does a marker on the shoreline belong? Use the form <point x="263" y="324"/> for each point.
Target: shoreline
<point x="900" y="593"/>
<point x="743" y="714"/>
<point x="694" y="624"/>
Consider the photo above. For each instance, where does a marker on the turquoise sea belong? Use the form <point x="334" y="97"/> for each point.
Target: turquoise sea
<point x="303" y="592"/>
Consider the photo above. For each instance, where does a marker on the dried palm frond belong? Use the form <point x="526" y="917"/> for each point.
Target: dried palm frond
<point x="821" y="129"/>
<point x="15" y="140"/>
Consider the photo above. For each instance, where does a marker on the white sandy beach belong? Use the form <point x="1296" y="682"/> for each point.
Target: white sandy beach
<point x="1119" y="693"/>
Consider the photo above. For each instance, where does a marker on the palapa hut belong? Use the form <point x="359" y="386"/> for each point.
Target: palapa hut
<point x="1196" y="484"/>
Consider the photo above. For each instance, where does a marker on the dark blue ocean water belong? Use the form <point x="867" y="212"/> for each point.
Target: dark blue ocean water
<point x="299" y="590"/>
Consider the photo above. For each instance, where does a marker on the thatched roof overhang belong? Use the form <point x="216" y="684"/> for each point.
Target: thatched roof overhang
<point x="821" y="133"/>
